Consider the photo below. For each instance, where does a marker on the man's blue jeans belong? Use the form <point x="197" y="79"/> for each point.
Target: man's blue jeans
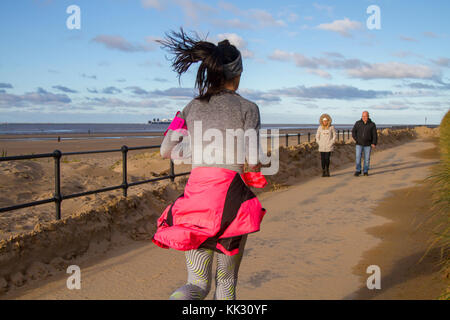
<point x="359" y="151"/>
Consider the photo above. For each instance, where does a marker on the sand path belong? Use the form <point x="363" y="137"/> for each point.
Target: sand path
<point x="311" y="237"/>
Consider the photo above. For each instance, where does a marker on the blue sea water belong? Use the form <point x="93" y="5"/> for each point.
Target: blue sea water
<point x="111" y="128"/>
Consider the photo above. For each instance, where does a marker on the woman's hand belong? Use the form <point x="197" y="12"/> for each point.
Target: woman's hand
<point x="255" y="167"/>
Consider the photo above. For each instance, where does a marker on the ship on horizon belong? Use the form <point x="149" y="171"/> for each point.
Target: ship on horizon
<point x="158" y="121"/>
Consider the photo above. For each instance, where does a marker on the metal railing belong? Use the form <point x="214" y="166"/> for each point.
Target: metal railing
<point x="58" y="197"/>
<point x="340" y="134"/>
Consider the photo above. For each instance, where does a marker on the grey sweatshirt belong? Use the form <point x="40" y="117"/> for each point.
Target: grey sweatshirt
<point x="226" y="110"/>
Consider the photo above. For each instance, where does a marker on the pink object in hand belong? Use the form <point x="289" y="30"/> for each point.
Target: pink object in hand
<point x="176" y="124"/>
<point x="254" y="179"/>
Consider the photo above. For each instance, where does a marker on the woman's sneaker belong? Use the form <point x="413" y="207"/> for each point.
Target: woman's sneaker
<point x="357" y="173"/>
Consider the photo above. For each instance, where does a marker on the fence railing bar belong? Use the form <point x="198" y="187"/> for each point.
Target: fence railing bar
<point x="86" y="193"/>
<point x="57" y="195"/>
<point x="144" y="147"/>
<point x="26" y="205"/>
<point x="26" y="157"/>
<point x="156" y="179"/>
<point x="172" y="171"/>
<point x="124" y="150"/>
<point x="89" y="152"/>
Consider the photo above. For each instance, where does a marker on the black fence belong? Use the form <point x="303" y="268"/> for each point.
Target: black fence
<point x="342" y="133"/>
<point x="58" y="197"/>
<point x="340" y="136"/>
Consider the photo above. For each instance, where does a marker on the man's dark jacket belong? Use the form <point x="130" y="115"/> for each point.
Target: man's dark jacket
<point x="365" y="134"/>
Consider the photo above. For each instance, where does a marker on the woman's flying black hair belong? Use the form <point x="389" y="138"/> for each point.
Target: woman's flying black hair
<point x="191" y="49"/>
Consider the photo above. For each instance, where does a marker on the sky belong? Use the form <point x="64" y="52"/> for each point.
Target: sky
<point x="100" y="63"/>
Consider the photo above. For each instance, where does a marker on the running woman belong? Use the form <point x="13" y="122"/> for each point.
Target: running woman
<point x="217" y="209"/>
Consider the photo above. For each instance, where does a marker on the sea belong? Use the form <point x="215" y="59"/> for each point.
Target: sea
<point x="114" y="130"/>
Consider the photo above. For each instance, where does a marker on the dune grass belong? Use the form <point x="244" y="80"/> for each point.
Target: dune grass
<point x="440" y="180"/>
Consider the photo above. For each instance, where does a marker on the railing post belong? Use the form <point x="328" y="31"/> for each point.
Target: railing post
<point x="172" y="171"/>
<point x="287" y="139"/>
<point x="298" y="138"/>
<point x="309" y="136"/>
<point x="57" y="195"/>
<point x="124" y="170"/>
<point x="271" y="141"/>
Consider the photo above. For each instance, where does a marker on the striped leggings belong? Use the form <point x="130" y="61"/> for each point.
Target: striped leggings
<point x="199" y="265"/>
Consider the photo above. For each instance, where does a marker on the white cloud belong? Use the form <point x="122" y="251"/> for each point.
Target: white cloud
<point x="119" y="43"/>
<point x="266" y="19"/>
<point x="303" y="61"/>
<point x="430" y="34"/>
<point x="260" y="96"/>
<point x="299" y="59"/>
<point x="38" y="97"/>
<point x="229" y="7"/>
<point x="280" y="55"/>
<point x="232" y="23"/>
<point x="320" y="73"/>
<point x="255" y="18"/>
<point x="315" y="65"/>
<point x="392" y="70"/>
<point x="292" y="17"/>
<point x="343" y="27"/>
<point x="154" y="4"/>
<point x="322" y="7"/>
<point x="194" y="10"/>
<point x="443" y="62"/>
<point x="237" y="41"/>
<point x="390" y="106"/>
<point x="409" y="39"/>
<point x="329" y="91"/>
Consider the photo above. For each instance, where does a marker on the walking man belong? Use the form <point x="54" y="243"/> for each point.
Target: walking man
<point x="365" y="134"/>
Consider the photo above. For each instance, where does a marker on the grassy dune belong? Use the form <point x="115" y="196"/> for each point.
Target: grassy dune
<point x="441" y="203"/>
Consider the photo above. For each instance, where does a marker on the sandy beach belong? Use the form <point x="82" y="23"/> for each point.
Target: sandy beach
<point x="325" y="243"/>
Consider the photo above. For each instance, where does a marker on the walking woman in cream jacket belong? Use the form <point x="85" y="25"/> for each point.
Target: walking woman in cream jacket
<point x="325" y="138"/>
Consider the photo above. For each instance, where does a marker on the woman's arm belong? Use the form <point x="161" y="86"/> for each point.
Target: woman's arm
<point x="333" y="140"/>
<point x="169" y="142"/>
<point x="374" y="135"/>
<point x="318" y="135"/>
<point x="355" y="131"/>
<point x="252" y="121"/>
<point x="172" y="137"/>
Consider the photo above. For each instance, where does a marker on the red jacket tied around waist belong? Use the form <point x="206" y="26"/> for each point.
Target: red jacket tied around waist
<point x="215" y="210"/>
